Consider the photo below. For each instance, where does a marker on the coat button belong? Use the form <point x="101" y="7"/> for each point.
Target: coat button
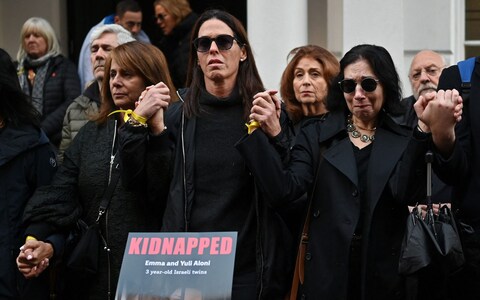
<point x="355" y="193"/>
<point x="316" y="213"/>
<point x="303" y="297"/>
<point x="308" y="256"/>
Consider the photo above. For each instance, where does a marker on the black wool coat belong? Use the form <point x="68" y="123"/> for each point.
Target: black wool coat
<point x="394" y="179"/>
<point x="61" y="86"/>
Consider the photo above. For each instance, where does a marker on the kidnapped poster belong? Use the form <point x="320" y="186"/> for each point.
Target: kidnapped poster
<point x="171" y="266"/>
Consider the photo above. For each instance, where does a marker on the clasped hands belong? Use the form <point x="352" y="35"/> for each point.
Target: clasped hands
<point x="438" y="113"/>
<point x="34" y="258"/>
<point x="151" y="104"/>
<point x="266" y="111"/>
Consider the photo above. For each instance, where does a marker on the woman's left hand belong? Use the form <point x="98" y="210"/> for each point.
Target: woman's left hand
<point x="266" y="110"/>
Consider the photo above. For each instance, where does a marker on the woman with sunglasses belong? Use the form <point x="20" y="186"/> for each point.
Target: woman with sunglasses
<point x="210" y="188"/>
<point x="361" y="170"/>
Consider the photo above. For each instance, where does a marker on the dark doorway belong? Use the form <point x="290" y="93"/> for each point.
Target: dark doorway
<point x="83" y="15"/>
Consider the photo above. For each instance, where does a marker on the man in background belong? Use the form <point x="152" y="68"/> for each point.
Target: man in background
<point x="128" y="14"/>
<point x="103" y="40"/>
<point x="424" y="73"/>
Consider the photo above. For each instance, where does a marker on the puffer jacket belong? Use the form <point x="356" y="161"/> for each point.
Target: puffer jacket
<point x="77" y="115"/>
<point x="27" y="161"/>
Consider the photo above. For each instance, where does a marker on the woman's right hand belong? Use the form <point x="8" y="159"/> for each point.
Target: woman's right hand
<point x="34" y="258"/>
<point x="266" y="110"/>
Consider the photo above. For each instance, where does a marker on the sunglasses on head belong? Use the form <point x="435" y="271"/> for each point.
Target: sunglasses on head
<point x="368" y="85"/>
<point x="223" y="42"/>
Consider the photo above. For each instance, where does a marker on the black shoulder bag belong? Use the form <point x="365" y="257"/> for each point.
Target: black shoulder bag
<point x="83" y="259"/>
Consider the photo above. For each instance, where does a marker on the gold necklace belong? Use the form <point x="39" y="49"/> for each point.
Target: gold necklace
<point x="352" y="130"/>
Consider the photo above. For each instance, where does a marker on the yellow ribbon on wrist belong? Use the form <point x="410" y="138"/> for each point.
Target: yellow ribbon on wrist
<point x="128" y="113"/>
<point x="251" y="126"/>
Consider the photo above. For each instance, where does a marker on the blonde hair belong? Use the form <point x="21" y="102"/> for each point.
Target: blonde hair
<point x="179" y="9"/>
<point x="44" y="29"/>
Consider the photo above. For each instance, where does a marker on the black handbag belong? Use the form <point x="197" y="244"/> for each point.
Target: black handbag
<point x="87" y="240"/>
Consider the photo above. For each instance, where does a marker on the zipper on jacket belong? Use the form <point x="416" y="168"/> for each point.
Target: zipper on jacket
<point x="105" y="240"/>
<point x="185" y="204"/>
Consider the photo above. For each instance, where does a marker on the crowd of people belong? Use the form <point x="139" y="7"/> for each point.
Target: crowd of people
<point x="188" y="139"/>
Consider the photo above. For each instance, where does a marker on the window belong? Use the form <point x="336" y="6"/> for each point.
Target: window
<point x="472" y="28"/>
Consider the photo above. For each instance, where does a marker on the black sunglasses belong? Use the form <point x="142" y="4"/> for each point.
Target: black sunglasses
<point x="368" y="85"/>
<point x="223" y="42"/>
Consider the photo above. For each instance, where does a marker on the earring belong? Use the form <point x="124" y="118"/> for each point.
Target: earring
<point x="242" y="59"/>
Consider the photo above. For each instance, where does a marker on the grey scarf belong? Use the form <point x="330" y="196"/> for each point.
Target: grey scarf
<point x="41" y="65"/>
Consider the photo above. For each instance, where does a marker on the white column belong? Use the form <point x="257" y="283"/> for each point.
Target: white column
<point x="435" y="26"/>
<point x="274" y="28"/>
<point x="378" y="22"/>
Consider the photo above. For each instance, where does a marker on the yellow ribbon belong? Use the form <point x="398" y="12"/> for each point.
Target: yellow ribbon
<point x="251" y="126"/>
<point x="128" y="113"/>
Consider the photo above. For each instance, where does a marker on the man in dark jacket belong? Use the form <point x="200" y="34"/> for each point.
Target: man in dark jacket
<point x="462" y="169"/>
<point x="424" y="73"/>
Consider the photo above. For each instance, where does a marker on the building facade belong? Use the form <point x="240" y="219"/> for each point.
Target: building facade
<point x="451" y="27"/>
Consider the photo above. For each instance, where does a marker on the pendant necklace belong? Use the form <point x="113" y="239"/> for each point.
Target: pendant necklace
<point x="352" y="130"/>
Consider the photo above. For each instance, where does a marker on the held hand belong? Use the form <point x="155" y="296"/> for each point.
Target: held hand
<point x="420" y="106"/>
<point x="441" y="115"/>
<point x="151" y="101"/>
<point x="34" y="257"/>
<point x="266" y="110"/>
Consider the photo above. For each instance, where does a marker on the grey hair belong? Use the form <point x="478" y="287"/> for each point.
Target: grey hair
<point x="44" y="29"/>
<point x="123" y="35"/>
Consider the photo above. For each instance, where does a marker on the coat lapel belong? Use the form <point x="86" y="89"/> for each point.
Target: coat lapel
<point x="386" y="152"/>
<point x="340" y="152"/>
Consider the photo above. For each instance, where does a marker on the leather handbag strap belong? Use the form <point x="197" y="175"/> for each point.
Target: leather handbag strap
<point x="299" y="272"/>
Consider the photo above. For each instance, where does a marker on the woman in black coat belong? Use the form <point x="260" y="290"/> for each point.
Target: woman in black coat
<point x="368" y="169"/>
<point x="49" y="78"/>
<point x="90" y="162"/>
<point x="27" y="161"/>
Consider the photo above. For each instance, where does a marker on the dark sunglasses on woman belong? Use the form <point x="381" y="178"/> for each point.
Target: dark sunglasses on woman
<point x="368" y="85"/>
<point x="223" y="42"/>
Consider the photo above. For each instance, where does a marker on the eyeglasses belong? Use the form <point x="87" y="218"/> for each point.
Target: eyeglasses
<point x="160" y="17"/>
<point x="368" y="85"/>
<point x="223" y="42"/>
